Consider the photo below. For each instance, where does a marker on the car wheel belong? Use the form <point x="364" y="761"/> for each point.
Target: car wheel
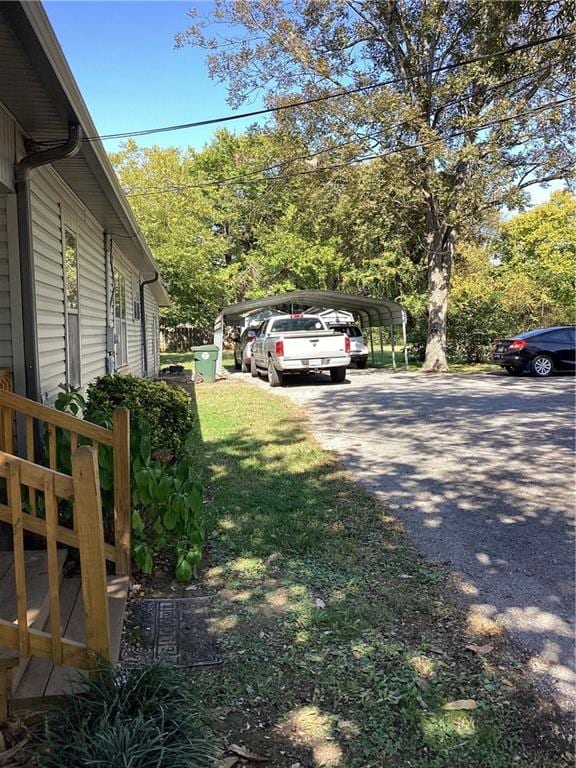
<point x="245" y="366"/>
<point x="542" y="366"/>
<point x="338" y="375"/>
<point x="236" y="364"/>
<point x="253" y="370"/>
<point x="513" y="371"/>
<point x="275" y="378"/>
<point x="361" y="363"/>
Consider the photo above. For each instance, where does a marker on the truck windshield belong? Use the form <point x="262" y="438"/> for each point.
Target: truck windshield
<point x="289" y="324"/>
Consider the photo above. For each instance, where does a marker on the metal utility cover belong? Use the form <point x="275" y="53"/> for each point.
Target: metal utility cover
<point x="175" y="632"/>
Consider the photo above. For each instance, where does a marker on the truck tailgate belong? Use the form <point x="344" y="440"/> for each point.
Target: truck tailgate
<point x="311" y="345"/>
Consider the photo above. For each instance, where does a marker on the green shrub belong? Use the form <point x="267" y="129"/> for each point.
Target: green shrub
<point x="137" y="718"/>
<point x="168" y="510"/>
<point x="167" y="409"/>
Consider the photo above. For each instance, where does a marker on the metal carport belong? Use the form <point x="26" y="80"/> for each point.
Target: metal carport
<point x="373" y="313"/>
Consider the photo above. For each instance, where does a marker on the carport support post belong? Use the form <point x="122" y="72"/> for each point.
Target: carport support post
<point x="219" y="340"/>
<point x="405" y="343"/>
<point x="392" y="340"/>
<point x="372" y="347"/>
<point x="381" y="348"/>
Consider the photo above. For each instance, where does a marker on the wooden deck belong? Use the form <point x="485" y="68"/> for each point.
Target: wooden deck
<point x="38" y="677"/>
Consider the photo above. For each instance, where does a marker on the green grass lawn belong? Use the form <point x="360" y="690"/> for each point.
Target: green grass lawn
<point x="380" y="361"/>
<point x="339" y="646"/>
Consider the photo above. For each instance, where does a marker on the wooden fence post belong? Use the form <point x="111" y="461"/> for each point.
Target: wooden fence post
<point x="88" y="512"/>
<point x="122" y="497"/>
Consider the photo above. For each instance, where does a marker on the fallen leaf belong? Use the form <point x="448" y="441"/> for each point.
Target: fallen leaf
<point x="319" y="603"/>
<point x="227" y="762"/>
<point x="422" y="703"/>
<point x="422" y="684"/>
<point x="243" y="752"/>
<point x="481" y="650"/>
<point x="461" y="704"/>
<point x="435" y="649"/>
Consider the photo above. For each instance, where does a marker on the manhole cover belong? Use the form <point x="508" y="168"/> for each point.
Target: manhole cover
<point x="175" y="632"/>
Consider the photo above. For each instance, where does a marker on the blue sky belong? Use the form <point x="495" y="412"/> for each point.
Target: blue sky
<point x="130" y="74"/>
<point x="123" y="57"/>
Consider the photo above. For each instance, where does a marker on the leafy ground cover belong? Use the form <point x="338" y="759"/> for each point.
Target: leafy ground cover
<point x="340" y="647"/>
<point x="121" y="719"/>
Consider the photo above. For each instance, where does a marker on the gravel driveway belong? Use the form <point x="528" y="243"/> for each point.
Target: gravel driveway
<point x="481" y="471"/>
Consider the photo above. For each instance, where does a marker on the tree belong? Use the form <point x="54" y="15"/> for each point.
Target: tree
<point x="468" y="136"/>
<point x="537" y="254"/>
<point x="178" y="226"/>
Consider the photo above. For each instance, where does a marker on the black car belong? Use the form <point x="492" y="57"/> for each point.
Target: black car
<point x="541" y="352"/>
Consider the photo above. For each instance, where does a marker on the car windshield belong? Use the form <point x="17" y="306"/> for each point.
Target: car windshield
<point x="289" y="324"/>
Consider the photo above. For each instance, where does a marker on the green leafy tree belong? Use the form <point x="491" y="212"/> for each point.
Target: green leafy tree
<point x="537" y="250"/>
<point x="178" y="226"/>
<point x="467" y="137"/>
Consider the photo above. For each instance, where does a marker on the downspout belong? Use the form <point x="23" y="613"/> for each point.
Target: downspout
<point x="143" y="284"/>
<point x="27" y="277"/>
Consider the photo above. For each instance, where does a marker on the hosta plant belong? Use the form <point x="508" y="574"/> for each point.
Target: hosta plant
<point x="168" y="509"/>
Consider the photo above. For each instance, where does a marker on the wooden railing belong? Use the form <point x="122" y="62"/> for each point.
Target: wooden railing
<point x="28" y="414"/>
<point x="6" y="379"/>
<point x="83" y="490"/>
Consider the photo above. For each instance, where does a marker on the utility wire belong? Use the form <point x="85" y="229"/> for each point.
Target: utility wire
<point x="336" y="95"/>
<point x="336" y="147"/>
<point x="249" y="180"/>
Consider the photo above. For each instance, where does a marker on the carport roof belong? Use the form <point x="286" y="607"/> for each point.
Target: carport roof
<point x="376" y="312"/>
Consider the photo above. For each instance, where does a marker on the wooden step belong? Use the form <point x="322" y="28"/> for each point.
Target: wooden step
<point x="42" y="678"/>
<point x="37" y="597"/>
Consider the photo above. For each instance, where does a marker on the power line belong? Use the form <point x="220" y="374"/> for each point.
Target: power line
<point x="336" y="95"/>
<point x="336" y="147"/>
<point x="249" y="180"/>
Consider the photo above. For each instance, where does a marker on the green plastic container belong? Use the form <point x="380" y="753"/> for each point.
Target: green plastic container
<point x="205" y="359"/>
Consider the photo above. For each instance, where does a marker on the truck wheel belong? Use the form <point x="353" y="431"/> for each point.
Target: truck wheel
<point x="253" y="370"/>
<point x="236" y="363"/>
<point x="338" y="375"/>
<point x="275" y="378"/>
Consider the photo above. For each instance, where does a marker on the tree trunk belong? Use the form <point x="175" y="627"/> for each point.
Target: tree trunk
<point x="439" y="272"/>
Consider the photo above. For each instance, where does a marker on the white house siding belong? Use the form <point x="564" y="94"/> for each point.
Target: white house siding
<point x="54" y="205"/>
<point x="5" y="319"/>
<point x="92" y="300"/>
<point x="47" y="241"/>
<point x="133" y="326"/>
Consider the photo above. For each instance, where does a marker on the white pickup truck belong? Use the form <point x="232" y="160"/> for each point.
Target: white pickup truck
<point x="298" y="344"/>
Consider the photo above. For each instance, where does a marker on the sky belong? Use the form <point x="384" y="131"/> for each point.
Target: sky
<point x="132" y="77"/>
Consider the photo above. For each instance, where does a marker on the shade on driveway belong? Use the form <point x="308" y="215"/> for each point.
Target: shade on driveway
<point x="480" y="469"/>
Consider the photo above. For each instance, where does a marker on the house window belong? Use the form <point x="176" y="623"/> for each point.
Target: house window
<point x="72" y="308"/>
<point x="120" y="329"/>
